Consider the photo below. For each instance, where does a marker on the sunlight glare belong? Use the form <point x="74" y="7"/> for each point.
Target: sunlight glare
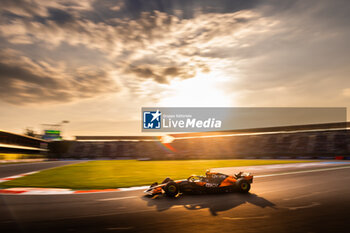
<point x="200" y="91"/>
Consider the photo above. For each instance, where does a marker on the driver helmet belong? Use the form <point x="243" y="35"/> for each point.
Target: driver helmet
<point x="207" y="172"/>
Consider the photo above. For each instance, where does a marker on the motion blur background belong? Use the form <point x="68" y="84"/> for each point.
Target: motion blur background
<point x="75" y="74"/>
<point x="96" y="63"/>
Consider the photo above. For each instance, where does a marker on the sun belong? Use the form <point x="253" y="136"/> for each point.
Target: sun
<point x="200" y="91"/>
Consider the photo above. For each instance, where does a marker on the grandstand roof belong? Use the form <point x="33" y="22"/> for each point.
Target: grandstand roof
<point x="308" y="127"/>
<point x="117" y="138"/>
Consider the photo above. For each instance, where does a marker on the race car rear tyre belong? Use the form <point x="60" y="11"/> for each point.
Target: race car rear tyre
<point x="171" y="189"/>
<point x="243" y="185"/>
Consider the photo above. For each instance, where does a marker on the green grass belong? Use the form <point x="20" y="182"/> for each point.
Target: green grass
<point x="126" y="173"/>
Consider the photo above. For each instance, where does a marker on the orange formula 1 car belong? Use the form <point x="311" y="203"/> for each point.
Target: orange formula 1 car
<point x="211" y="183"/>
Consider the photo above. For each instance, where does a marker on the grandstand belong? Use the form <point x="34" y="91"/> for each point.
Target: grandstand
<point x="318" y="140"/>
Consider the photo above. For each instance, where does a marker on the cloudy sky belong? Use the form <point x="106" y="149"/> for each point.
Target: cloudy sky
<point x="96" y="63"/>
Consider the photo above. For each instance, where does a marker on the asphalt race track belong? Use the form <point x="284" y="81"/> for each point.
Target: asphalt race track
<point x="289" y="199"/>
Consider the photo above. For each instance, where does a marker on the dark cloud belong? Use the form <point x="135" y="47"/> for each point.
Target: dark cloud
<point x="172" y="71"/>
<point x="23" y="81"/>
<point x="20" y="7"/>
<point x="59" y="16"/>
<point x="15" y="72"/>
<point x="149" y="73"/>
<point x="186" y="9"/>
<point x="162" y="74"/>
<point x="33" y="8"/>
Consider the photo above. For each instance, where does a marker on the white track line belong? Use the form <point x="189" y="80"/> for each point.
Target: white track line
<point x="300" y="172"/>
<point x="245" y="218"/>
<point x="134" y="188"/>
<point x="304" y="207"/>
<point x="116" y="198"/>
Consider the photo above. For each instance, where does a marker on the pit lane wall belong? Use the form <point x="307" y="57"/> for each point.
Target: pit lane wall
<point x="315" y="143"/>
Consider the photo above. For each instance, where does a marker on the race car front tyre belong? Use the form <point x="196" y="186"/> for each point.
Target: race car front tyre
<point x="243" y="185"/>
<point x="171" y="189"/>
